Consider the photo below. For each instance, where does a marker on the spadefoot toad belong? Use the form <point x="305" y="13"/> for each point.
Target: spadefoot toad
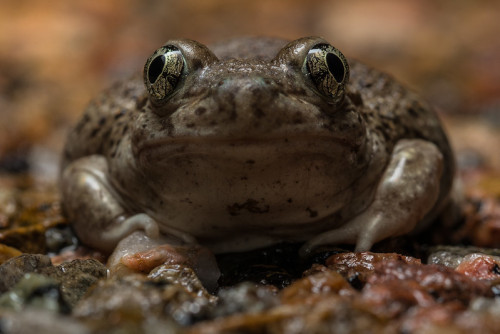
<point x="253" y="142"/>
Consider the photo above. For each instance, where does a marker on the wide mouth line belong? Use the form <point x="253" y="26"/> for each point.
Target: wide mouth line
<point x="240" y="141"/>
<point x="171" y="143"/>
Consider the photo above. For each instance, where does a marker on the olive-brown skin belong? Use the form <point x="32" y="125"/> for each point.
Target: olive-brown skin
<point x="246" y="152"/>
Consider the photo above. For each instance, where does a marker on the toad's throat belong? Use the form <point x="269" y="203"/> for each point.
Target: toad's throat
<point x="253" y="182"/>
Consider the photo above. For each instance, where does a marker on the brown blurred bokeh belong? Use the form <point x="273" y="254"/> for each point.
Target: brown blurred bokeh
<point x="55" y="55"/>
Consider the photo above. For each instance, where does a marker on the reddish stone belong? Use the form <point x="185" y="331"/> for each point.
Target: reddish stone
<point x="361" y="265"/>
<point x="479" y="266"/>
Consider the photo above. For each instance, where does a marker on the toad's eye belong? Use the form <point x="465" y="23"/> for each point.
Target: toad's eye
<point x="329" y="71"/>
<point x="162" y="72"/>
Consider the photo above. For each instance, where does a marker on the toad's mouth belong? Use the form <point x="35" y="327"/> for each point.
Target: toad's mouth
<point x="158" y="152"/>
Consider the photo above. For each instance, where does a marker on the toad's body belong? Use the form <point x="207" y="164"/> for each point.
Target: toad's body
<point x="251" y="145"/>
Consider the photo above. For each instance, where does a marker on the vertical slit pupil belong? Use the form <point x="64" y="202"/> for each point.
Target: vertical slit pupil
<point x="156" y="68"/>
<point x="335" y="66"/>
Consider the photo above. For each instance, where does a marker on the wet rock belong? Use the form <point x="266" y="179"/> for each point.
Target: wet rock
<point x="482" y="218"/>
<point x="28" y="239"/>
<point x="480" y="266"/>
<point x="245" y="297"/>
<point x="75" y="277"/>
<point x="8" y="205"/>
<point x="438" y="318"/>
<point x="357" y="267"/>
<point x="179" y="275"/>
<point x="187" y="300"/>
<point x="14" y="269"/>
<point x="35" y="291"/>
<point x="39" y="321"/>
<point x="422" y="285"/>
<point x="452" y="256"/>
<point x="330" y="314"/>
<point x="315" y="287"/>
<point x="482" y="316"/>
<point x="7" y="253"/>
<point x="27" y="210"/>
<point x="171" y="293"/>
<point x="486" y="305"/>
<point x="80" y="252"/>
<point x="59" y="237"/>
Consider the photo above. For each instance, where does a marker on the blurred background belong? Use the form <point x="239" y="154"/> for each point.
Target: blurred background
<point x="55" y="55"/>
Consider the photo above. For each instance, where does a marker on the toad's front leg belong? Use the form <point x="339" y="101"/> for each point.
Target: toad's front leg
<point x="94" y="208"/>
<point x="408" y="191"/>
<point x="101" y="221"/>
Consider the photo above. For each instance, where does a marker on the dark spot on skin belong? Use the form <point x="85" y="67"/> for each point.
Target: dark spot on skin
<point x="85" y="119"/>
<point x="243" y="178"/>
<point x="355" y="98"/>
<point x="200" y="111"/>
<point x="67" y="155"/>
<point x="383" y="131"/>
<point x="234" y="115"/>
<point x="413" y="112"/>
<point x="120" y="114"/>
<point x="297" y="119"/>
<point x="249" y="205"/>
<point x="186" y="200"/>
<point x="257" y="112"/>
<point x="166" y="125"/>
<point x="94" y="132"/>
<point x="105" y="136"/>
<point x="289" y="200"/>
<point x="196" y="63"/>
<point x="312" y="213"/>
<point x="250" y="161"/>
<point x="141" y="102"/>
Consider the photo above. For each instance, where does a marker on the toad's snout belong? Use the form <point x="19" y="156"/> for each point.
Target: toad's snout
<point x="246" y="96"/>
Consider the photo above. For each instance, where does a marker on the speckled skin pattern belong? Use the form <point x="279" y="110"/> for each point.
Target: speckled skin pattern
<point x="247" y="152"/>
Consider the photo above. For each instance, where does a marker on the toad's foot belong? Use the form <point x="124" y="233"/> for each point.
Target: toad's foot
<point x="141" y="253"/>
<point x="407" y="193"/>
